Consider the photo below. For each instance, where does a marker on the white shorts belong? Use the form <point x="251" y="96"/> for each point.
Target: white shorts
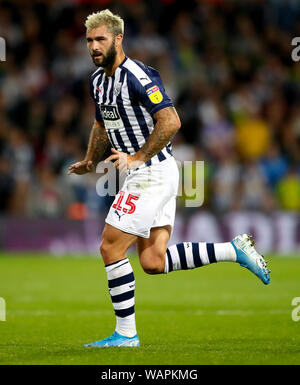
<point x="147" y="199"/>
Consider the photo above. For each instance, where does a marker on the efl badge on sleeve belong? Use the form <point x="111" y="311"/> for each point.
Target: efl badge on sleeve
<point x="154" y="95"/>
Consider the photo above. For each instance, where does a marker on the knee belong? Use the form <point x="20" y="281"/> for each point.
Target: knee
<point x="105" y="250"/>
<point x="153" y="265"/>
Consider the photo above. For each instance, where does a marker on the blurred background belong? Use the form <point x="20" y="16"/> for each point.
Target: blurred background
<point x="227" y="67"/>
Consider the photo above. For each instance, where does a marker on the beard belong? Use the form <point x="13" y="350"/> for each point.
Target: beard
<point x="108" y="59"/>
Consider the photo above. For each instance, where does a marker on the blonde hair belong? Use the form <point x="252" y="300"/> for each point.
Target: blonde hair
<point x="114" y="23"/>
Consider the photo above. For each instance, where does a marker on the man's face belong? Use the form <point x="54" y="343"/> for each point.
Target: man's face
<point x="101" y="44"/>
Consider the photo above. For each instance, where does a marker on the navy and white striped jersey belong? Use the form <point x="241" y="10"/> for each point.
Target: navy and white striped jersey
<point x="126" y="102"/>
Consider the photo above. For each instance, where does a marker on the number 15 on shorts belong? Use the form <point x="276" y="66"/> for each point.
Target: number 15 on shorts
<point x="125" y="202"/>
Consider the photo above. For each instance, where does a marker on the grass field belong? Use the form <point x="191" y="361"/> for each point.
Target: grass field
<point x="219" y="314"/>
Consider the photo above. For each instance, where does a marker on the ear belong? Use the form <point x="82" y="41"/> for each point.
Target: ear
<point x="119" y="40"/>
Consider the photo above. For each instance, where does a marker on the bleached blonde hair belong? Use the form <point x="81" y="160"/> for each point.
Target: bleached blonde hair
<point x="114" y="23"/>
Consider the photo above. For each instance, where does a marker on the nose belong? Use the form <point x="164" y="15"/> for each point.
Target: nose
<point x="94" y="46"/>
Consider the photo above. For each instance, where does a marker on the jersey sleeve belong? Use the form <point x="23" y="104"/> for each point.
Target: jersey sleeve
<point x="98" y="115"/>
<point x="153" y="95"/>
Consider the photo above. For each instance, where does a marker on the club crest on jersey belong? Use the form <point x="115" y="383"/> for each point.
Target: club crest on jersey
<point x="154" y="94"/>
<point x="117" y="89"/>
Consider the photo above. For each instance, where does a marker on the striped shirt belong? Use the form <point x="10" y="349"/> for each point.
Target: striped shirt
<point x="126" y="103"/>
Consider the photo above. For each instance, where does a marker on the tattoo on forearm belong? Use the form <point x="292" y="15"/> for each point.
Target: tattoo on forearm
<point x="159" y="138"/>
<point x="161" y="135"/>
<point x="98" y="143"/>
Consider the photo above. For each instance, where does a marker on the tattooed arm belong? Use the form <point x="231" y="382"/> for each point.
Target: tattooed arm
<point x="167" y="124"/>
<point x="98" y="143"/>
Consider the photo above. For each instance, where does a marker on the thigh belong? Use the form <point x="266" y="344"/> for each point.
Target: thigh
<point x="115" y="243"/>
<point x="152" y="250"/>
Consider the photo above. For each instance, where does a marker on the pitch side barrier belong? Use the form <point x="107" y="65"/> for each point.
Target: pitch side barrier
<point x="277" y="233"/>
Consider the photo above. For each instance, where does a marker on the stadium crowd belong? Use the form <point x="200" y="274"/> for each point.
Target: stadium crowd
<point x="226" y="65"/>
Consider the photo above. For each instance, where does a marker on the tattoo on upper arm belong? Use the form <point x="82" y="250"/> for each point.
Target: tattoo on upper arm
<point x="165" y="113"/>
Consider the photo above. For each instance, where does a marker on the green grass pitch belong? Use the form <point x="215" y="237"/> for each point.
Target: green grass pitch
<point x="218" y="314"/>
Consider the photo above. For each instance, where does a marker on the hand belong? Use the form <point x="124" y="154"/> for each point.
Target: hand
<point x="123" y="161"/>
<point x="81" y="168"/>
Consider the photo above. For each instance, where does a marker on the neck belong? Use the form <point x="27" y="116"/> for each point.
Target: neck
<point x="110" y="70"/>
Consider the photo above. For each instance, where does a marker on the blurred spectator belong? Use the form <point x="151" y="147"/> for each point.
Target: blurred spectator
<point x="274" y="165"/>
<point x="21" y="155"/>
<point x="217" y="135"/>
<point x="253" y="138"/>
<point x="148" y="44"/>
<point x="226" y="184"/>
<point x="51" y="197"/>
<point x="255" y="194"/>
<point x="7" y="185"/>
<point x="288" y="190"/>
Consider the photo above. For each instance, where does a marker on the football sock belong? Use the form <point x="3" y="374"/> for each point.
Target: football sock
<point x="121" y="286"/>
<point x="189" y="255"/>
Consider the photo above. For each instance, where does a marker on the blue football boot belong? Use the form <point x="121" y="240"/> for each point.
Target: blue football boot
<point x="115" y="340"/>
<point x="248" y="257"/>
